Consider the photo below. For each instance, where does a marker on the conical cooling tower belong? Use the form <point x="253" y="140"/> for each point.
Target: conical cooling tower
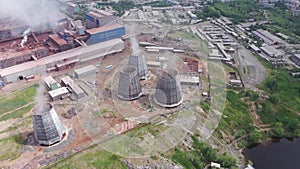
<point x="47" y="126"/>
<point x="129" y="84"/>
<point x="137" y="59"/>
<point x="168" y="90"/>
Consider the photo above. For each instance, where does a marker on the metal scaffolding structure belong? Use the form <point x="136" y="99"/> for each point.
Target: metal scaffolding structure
<point x="129" y="84"/>
<point x="168" y="91"/>
<point x="137" y="59"/>
<point x="48" y="128"/>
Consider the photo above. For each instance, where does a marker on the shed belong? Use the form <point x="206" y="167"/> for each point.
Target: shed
<point x="85" y="71"/>
<point x="75" y="89"/>
<point x="51" y="83"/>
<point x="59" y="93"/>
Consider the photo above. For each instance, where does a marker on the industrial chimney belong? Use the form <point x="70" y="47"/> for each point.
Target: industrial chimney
<point x="129" y="84"/>
<point x="48" y="128"/>
<point x="137" y="59"/>
<point x="168" y="91"/>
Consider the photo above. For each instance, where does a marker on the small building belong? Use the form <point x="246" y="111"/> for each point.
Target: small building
<point x="75" y="89"/>
<point x="191" y="15"/>
<point x="85" y="71"/>
<point x="296" y="59"/>
<point x="254" y="48"/>
<point x="189" y="80"/>
<point x="153" y="64"/>
<point x="51" y="83"/>
<point x="59" y="93"/>
<point x="217" y="165"/>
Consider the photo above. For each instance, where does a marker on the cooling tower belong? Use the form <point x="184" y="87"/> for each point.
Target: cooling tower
<point x="137" y="59"/>
<point x="48" y="128"/>
<point x="129" y="84"/>
<point x="168" y="90"/>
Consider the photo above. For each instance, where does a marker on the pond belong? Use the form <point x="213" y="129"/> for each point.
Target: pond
<point x="275" y="154"/>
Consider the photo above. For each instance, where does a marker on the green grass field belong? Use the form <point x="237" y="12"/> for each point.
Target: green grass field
<point x="17" y="99"/>
<point x="92" y="158"/>
<point x="10" y="148"/>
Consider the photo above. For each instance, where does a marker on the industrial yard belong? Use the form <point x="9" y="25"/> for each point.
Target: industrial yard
<point x="107" y="86"/>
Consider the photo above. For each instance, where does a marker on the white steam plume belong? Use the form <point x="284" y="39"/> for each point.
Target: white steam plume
<point x="134" y="44"/>
<point x="25" y="37"/>
<point x="32" y="12"/>
<point x="40" y="103"/>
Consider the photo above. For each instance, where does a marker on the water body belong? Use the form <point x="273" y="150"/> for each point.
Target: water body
<point x="275" y="154"/>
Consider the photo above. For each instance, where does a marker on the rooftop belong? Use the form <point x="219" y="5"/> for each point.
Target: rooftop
<point x="58" y="92"/>
<point x="85" y="69"/>
<point x="104" y="28"/>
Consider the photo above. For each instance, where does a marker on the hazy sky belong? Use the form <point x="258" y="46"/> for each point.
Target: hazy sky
<point x="32" y="12"/>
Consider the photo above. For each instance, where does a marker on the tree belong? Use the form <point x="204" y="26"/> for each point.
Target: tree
<point x="272" y="84"/>
<point x="226" y="160"/>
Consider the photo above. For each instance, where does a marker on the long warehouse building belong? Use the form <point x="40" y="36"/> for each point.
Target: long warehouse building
<point x="60" y="60"/>
<point x="105" y="33"/>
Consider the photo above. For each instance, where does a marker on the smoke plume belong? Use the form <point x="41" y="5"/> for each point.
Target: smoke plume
<point x="31" y="12"/>
<point x="25" y="37"/>
<point x="40" y="103"/>
<point x="134" y="44"/>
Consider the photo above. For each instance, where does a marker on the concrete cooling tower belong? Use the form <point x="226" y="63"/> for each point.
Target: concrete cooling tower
<point x="48" y="128"/>
<point x="168" y="91"/>
<point x="137" y="59"/>
<point x="129" y="84"/>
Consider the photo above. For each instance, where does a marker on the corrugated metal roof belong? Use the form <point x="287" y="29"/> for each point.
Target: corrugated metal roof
<point x="104" y="28"/>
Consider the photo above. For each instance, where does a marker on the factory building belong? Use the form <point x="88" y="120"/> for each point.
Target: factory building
<point x="272" y="52"/>
<point x="129" y="84"/>
<point x="168" y="91"/>
<point x="59" y="60"/>
<point x="48" y="128"/>
<point x="137" y="59"/>
<point x="74" y="88"/>
<point x="85" y="71"/>
<point x="59" y="93"/>
<point x="99" y="18"/>
<point x="58" y="44"/>
<point x="267" y="37"/>
<point x="51" y="83"/>
<point x="105" y="33"/>
<point x="13" y="58"/>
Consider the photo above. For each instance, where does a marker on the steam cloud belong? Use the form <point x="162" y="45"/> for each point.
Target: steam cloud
<point x="32" y="12"/>
<point x="40" y="103"/>
<point x="134" y="44"/>
<point x="25" y="37"/>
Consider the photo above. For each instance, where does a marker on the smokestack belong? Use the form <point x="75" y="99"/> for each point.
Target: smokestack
<point x="129" y="84"/>
<point x="168" y="91"/>
<point x="137" y="59"/>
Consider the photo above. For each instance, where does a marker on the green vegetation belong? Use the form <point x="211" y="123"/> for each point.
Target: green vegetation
<point x="281" y="109"/>
<point x="10" y="147"/>
<point x="92" y="158"/>
<point x="24" y="122"/>
<point x="239" y="10"/>
<point x="236" y="121"/>
<point x="208" y="11"/>
<point x="17" y="113"/>
<point x="200" y="156"/>
<point x="196" y="43"/>
<point x="17" y="99"/>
